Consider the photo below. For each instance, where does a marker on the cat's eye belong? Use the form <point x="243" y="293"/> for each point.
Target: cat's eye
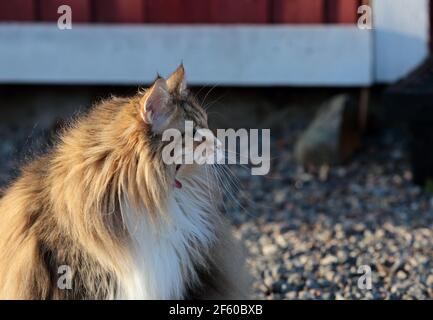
<point x="177" y="167"/>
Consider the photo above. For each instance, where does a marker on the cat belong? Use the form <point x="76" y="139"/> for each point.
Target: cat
<point x="101" y="216"/>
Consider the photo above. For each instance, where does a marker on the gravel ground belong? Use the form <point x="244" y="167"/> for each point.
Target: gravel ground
<point x="309" y="232"/>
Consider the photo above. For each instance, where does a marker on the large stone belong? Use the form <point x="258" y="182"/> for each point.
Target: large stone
<point x="321" y="142"/>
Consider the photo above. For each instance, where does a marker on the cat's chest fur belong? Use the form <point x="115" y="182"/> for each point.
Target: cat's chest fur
<point x="165" y="257"/>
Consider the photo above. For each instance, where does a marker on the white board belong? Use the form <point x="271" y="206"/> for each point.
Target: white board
<point x="224" y="55"/>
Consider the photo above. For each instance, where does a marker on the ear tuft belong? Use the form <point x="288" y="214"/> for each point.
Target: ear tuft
<point x="176" y="82"/>
<point x="158" y="76"/>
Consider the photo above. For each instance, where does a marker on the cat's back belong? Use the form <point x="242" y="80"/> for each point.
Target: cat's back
<point x="21" y="207"/>
<point x="29" y="184"/>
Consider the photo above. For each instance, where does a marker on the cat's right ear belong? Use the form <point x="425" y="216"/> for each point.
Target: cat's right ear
<point x="155" y="111"/>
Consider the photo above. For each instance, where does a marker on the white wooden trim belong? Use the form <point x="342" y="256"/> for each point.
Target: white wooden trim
<point x="401" y="32"/>
<point x="225" y="55"/>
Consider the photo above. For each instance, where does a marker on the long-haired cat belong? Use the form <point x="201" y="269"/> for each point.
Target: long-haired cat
<point x="104" y="210"/>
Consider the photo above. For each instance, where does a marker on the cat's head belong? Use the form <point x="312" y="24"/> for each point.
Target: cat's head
<point x="169" y="106"/>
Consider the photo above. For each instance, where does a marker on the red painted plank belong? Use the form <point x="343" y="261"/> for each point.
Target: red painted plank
<point x="343" y="11"/>
<point x="240" y="11"/>
<point x="298" y="11"/>
<point x="119" y="11"/>
<point x="348" y="11"/>
<point x="177" y="11"/>
<point x="81" y="10"/>
<point x="17" y="10"/>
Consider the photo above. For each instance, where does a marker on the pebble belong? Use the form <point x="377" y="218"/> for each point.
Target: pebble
<point x="329" y="259"/>
<point x="269" y="249"/>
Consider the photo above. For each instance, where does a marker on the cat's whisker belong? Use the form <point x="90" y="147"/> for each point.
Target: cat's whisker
<point x="210" y="104"/>
<point x="207" y="94"/>
<point x="237" y="186"/>
<point x="244" y="166"/>
<point x="199" y="91"/>
<point x="210" y="183"/>
<point x="227" y="187"/>
<point x="239" y="189"/>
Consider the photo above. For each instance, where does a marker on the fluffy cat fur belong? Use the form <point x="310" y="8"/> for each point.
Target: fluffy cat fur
<point x="103" y="202"/>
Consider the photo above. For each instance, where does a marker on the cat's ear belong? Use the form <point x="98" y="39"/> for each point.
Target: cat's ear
<point x="155" y="109"/>
<point x="176" y="82"/>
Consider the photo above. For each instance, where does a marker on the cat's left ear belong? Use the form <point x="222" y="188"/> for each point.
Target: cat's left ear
<point x="155" y="108"/>
<point x="176" y="82"/>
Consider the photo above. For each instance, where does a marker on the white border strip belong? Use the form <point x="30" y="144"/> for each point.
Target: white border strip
<point x="223" y="55"/>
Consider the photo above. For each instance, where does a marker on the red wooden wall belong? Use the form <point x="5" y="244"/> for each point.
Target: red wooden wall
<point x="185" y="11"/>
